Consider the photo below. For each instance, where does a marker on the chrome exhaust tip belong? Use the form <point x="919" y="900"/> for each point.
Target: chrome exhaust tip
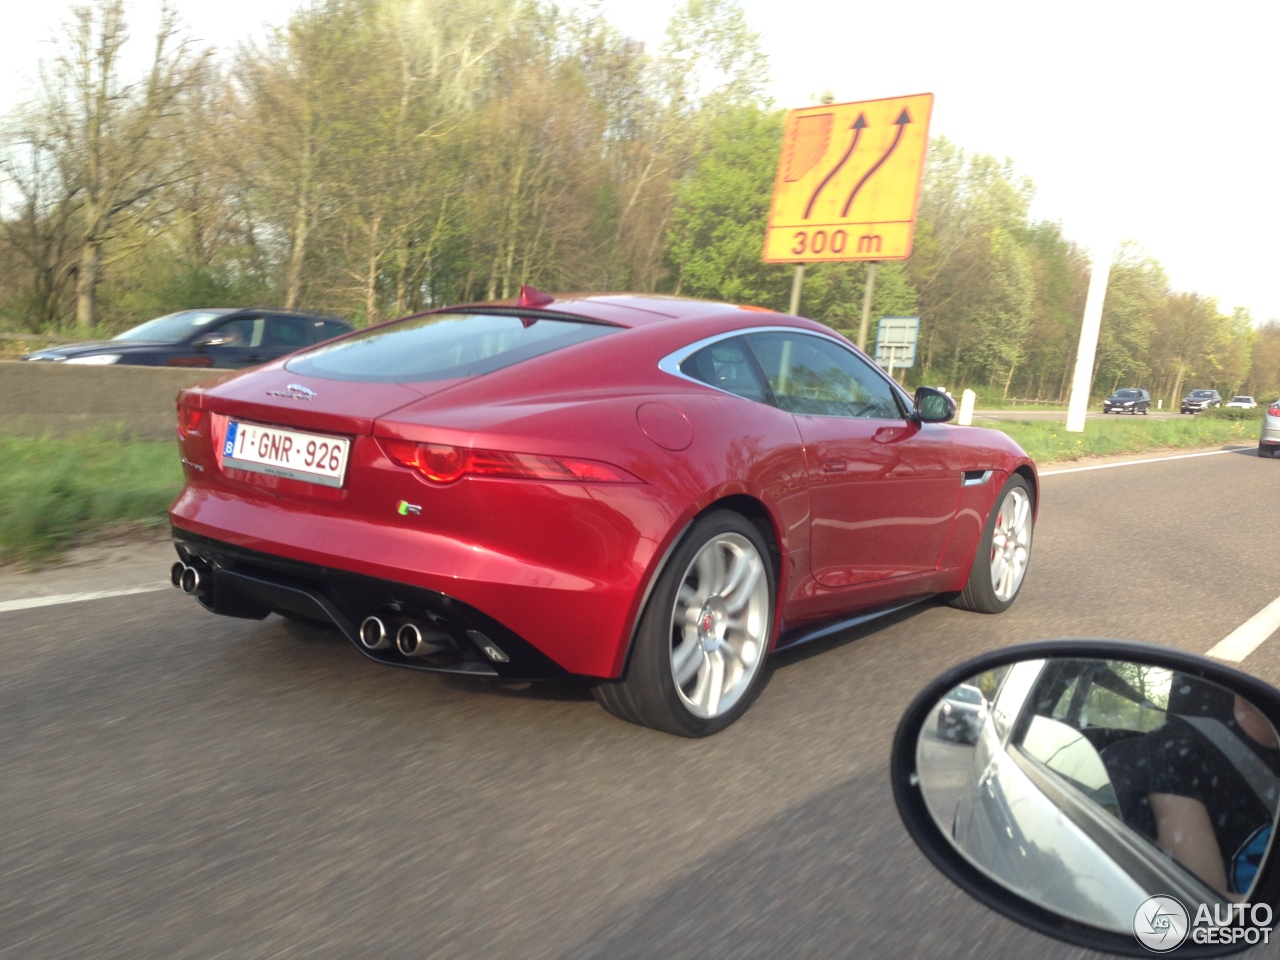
<point x="414" y="641"/>
<point x="373" y="634"/>
<point x="190" y="581"/>
<point x="176" y="572"/>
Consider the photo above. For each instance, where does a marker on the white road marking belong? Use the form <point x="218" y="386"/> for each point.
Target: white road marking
<point x="9" y="605"/>
<point x="1249" y="635"/>
<point x="1134" y="463"/>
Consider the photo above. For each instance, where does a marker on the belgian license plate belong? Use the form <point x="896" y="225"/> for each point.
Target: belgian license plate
<point x="312" y="457"/>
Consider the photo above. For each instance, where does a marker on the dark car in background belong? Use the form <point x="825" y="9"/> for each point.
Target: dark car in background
<point x="961" y="714"/>
<point x="214" y="337"/>
<point x="1129" y="400"/>
<point x="1200" y="400"/>
<point x="1269" y="439"/>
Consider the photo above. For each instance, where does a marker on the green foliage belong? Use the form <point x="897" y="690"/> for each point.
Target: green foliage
<point x="1048" y="441"/>
<point x="1234" y="413"/>
<point x="57" y="491"/>
<point x="716" y="235"/>
<point x="379" y="157"/>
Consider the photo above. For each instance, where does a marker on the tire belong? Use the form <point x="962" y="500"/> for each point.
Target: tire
<point x="700" y="647"/>
<point x="1004" y="552"/>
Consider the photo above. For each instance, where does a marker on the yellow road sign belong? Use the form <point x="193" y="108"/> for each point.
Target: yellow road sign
<point x="849" y="181"/>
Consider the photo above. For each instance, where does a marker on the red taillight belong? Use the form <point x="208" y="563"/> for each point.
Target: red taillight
<point x="445" y="463"/>
<point x="189" y="420"/>
<point x="1274" y="409"/>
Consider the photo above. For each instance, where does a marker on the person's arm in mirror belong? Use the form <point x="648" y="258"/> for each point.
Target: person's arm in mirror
<point x="1184" y="831"/>
<point x="1209" y="815"/>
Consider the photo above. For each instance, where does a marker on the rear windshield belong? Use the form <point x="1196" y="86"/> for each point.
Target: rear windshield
<point x="442" y="346"/>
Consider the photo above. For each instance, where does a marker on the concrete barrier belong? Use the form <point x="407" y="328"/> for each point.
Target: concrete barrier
<point x="58" y="399"/>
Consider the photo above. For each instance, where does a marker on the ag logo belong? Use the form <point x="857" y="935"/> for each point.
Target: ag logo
<point x="1161" y="924"/>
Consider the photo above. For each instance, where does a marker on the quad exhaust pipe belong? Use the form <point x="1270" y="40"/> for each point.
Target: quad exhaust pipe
<point x="185" y="577"/>
<point x="373" y="634"/>
<point x="413" y="640"/>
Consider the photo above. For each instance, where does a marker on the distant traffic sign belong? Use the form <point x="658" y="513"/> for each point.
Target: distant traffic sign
<point x="849" y="181"/>
<point x="896" y="342"/>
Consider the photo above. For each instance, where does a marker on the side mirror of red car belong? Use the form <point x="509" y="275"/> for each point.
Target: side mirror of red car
<point x="933" y="406"/>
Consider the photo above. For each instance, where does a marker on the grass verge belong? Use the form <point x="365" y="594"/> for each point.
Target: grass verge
<point x="1047" y="441"/>
<point x="55" y="492"/>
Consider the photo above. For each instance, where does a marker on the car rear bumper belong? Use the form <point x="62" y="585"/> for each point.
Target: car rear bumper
<point x="238" y="582"/>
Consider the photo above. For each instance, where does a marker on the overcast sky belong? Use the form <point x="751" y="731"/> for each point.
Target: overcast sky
<point x="1150" y="121"/>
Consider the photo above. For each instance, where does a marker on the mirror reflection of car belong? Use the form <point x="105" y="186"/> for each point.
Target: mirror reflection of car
<point x="1076" y="796"/>
<point x="961" y="714"/>
<point x="221" y="337"/>
<point x="1132" y="400"/>
<point x="1200" y="400"/>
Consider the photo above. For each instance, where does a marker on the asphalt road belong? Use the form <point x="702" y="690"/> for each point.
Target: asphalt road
<point x="174" y="784"/>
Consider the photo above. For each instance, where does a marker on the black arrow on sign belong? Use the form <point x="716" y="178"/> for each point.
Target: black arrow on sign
<point x="858" y="126"/>
<point x="903" y="119"/>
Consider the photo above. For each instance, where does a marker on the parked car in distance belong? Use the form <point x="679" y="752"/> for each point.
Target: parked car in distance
<point x="961" y="714"/>
<point x="1131" y="400"/>
<point x="1242" y="403"/>
<point x="214" y="337"/>
<point x="1269" y="439"/>
<point x="1199" y="400"/>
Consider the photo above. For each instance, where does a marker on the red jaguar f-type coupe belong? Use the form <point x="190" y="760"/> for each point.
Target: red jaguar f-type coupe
<point x="649" y="492"/>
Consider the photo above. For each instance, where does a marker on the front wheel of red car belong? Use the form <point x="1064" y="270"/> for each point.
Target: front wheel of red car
<point x="700" y="648"/>
<point x="1003" y="552"/>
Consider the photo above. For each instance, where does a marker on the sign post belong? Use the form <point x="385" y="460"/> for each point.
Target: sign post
<point x="848" y="185"/>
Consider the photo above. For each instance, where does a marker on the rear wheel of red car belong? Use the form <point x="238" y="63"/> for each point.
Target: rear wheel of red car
<point x="700" y="648"/>
<point x="1003" y="551"/>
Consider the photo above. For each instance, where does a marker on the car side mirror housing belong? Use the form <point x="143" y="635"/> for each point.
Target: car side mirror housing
<point x="1058" y="783"/>
<point x="933" y="406"/>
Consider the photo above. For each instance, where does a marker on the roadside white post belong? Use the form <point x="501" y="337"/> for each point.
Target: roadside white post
<point x="967" y="400"/>
<point x="1078" y="406"/>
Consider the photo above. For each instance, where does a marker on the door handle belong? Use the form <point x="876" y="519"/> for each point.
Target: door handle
<point x="834" y="466"/>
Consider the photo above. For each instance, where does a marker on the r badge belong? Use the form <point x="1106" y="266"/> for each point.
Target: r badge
<point x="404" y="508"/>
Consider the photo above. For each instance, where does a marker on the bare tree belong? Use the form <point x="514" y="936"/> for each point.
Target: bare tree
<point x="36" y="227"/>
<point x="110" y="138"/>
